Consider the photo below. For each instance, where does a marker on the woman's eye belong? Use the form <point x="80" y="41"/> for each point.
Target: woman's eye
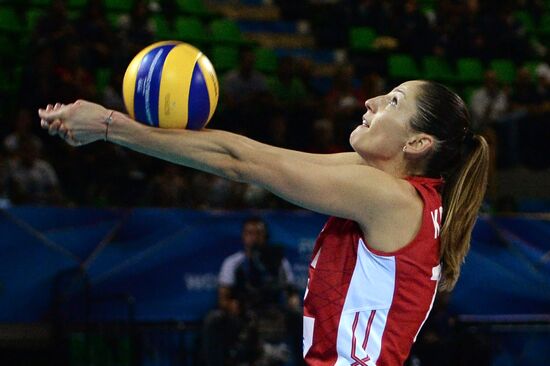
<point x="393" y="101"/>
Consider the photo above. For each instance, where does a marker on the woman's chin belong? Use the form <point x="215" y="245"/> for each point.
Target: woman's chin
<point x="356" y="134"/>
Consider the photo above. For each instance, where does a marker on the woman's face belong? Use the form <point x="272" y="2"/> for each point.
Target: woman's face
<point x="385" y="127"/>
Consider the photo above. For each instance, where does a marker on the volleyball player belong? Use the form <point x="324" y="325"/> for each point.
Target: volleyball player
<point x="402" y="208"/>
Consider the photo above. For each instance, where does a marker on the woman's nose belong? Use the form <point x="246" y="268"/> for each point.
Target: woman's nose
<point x="372" y="104"/>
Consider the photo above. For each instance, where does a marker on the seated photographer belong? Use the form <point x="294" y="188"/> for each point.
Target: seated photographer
<point x="258" y="313"/>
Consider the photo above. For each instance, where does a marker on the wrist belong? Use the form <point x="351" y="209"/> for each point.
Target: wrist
<point x="108" y="122"/>
<point x="123" y="130"/>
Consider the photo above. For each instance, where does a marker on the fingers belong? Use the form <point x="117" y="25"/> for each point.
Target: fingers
<point x="53" y="127"/>
<point x="45" y="122"/>
<point x="63" y="131"/>
<point x="52" y="113"/>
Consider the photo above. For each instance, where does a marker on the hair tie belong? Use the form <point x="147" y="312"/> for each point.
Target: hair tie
<point x="468" y="135"/>
<point x="468" y="143"/>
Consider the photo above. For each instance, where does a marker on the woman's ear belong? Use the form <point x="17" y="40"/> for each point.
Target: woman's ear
<point x="419" y="145"/>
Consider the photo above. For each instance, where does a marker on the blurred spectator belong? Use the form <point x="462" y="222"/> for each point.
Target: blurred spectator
<point x="505" y="34"/>
<point x="95" y="34"/>
<point x="329" y="22"/>
<point x="342" y="98"/>
<point x="222" y="193"/>
<point x="535" y="132"/>
<point x="523" y="98"/>
<point x="371" y="13"/>
<point x="39" y="85"/>
<point x="277" y="130"/>
<point x="292" y="99"/>
<point x="258" y="308"/>
<point x="245" y="93"/>
<point x="135" y="31"/>
<point x="372" y="85"/>
<point x="74" y="79"/>
<point x="168" y="8"/>
<point x="169" y="188"/>
<point x="323" y="138"/>
<point x="468" y="38"/>
<point x="343" y="105"/>
<point x="30" y="179"/>
<point x="54" y="29"/>
<point x="412" y="29"/>
<point x="111" y="97"/>
<point x="22" y="130"/>
<point x="489" y="103"/>
<point x="305" y="72"/>
<point x="287" y="89"/>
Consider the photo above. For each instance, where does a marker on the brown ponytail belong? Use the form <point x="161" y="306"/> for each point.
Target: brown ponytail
<point x="462" y="197"/>
<point x="462" y="159"/>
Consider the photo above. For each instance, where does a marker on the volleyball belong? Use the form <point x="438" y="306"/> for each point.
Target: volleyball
<point x="171" y="84"/>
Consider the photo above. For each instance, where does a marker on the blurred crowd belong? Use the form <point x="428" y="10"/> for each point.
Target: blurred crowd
<point x="286" y="109"/>
<point x="452" y="28"/>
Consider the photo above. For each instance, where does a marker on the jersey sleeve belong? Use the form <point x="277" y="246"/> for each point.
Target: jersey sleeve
<point x="227" y="273"/>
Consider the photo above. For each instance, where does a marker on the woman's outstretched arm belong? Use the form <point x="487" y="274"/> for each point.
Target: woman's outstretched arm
<point x="352" y="191"/>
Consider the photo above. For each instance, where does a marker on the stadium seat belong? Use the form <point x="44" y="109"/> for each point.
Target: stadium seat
<point x="266" y="60"/>
<point x="102" y="78"/>
<point x="438" y="69"/>
<point x="544" y="25"/>
<point x="32" y="17"/>
<point x="40" y="3"/>
<point x="427" y="5"/>
<point x="401" y="66"/>
<point x="124" y="6"/>
<point x="361" y="38"/>
<point x="505" y="70"/>
<point x="9" y="21"/>
<point x="225" y="31"/>
<point x="469" y="70"/>
<point x="163" y="30"/>
<point x="224" y="58"/>
<point x="193" y="7"/>
<point x="526" y="20"/>
<point x="190" y="29"/>
<point x="77" y="4"/>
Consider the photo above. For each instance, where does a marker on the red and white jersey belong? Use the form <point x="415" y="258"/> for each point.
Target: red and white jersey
<point x="363" y="307"/>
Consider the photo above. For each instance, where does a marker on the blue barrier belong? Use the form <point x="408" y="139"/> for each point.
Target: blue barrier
<point x="167" y="260"/>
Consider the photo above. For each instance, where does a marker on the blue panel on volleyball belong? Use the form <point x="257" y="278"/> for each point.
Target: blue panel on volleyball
<point x="146" y="103"/>
<point x="199" y="103"/>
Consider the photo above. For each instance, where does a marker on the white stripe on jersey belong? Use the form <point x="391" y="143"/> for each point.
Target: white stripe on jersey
<point x="372" y="283"/>
<point x="366" y="309"/>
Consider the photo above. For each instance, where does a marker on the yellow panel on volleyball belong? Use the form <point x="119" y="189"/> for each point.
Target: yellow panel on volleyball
<point x="129" y="83"/>
<point x="175" y="86"/>
<point x="211" y="83"/>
